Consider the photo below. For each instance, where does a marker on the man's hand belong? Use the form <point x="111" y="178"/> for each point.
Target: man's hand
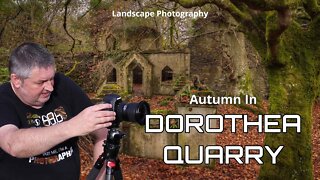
<point x="91" y="119"/>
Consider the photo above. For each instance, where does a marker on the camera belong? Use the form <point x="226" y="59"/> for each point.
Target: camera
<point x="132" y="112"/>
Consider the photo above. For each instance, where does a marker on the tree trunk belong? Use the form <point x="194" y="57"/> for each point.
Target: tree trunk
<point x="293" y="88"/>
<point x="292" y="56"/>
<point x="289" y="95"/>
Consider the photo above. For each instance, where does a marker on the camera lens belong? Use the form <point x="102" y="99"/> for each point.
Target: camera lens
<point x="136" y="112"/>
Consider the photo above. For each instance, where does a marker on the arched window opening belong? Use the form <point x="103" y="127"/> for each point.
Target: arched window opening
<point x="167" y="74"/>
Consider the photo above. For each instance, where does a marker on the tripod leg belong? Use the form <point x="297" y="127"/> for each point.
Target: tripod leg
<point x="93" y="174"/>
<point x="117" y="171"/>
<point x="113" y="170"/>
<point x="96" y="168"/>
<point x="110" y="165"/>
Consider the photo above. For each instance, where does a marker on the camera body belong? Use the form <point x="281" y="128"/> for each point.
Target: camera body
<point x="132" y="112"/>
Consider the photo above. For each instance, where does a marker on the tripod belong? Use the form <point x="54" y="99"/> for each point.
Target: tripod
<point x="109" y="155"/>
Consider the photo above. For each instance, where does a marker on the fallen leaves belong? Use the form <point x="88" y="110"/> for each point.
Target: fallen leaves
<point x="143" y="168"/>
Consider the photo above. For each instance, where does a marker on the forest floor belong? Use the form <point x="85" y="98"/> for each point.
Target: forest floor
<point x="143" y="168"/>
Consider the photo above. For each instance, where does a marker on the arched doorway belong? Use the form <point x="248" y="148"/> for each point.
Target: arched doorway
<point x="137" y="80"/>
<point x="136" y="76"/>
<point x="112" y="76"/>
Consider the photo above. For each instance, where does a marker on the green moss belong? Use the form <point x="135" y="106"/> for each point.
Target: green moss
<point x="162" y="111"/>
<point x="164" y="103"/>
<point x="246" y="84"/>
<point x="116" y="55"/>
<point x="4" y="75"/>
<point x="293" y="88"/>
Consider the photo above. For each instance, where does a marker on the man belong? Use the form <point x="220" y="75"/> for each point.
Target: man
<point x="41" y="115"/>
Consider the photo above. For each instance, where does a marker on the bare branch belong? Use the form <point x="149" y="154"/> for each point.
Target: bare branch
<point x="65" y="26"/>
<point x="50" y="17"/>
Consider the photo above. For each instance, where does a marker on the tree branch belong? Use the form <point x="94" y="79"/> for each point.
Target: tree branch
<point x="243" y="14"/>
<point x="277" y="23"/>
<point x="223" y="4"/>
<point x="65" y="26"/>
<point x="50" y="17"/>
<point x="76" y="63"/>
<point x="190" y="4"/>
<point x="266" y="5"/>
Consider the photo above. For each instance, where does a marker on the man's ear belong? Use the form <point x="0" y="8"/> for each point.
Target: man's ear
<point x="16" y="81"/>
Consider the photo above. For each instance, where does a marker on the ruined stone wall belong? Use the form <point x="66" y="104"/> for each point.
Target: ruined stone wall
<point x="224" y="60"/>
<point x="220" y="57"/>
<point x="179" y="62"/>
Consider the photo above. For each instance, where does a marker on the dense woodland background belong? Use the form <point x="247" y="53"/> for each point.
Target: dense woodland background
<point x="268" y="49"/>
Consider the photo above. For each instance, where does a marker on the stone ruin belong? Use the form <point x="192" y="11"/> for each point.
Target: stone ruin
<point x="143" y="70"/>
<point x="140" y="67"/>
<point x="146" y="73"/>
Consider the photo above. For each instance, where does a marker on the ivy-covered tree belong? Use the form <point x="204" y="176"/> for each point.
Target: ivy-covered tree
<point x="286" y="35"/>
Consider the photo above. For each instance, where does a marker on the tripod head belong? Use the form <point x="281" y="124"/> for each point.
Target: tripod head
<point x="112" y="143"/>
